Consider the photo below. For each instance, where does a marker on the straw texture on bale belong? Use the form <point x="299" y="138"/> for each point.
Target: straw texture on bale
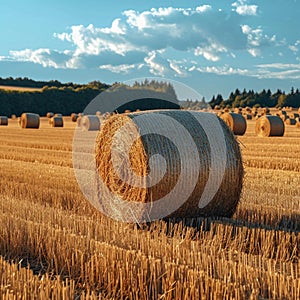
<point x="225" y="199"/>
<point x="29" y="120"/>
<point x="236" y="122"/>
<point x="290" y="121"/>
<point x="3" y="120"/>
<point x="49" y="115"/>
<point x="57" y="122"/>
<point x="90" y="123"/>
<point x="74" y="117"/>
<point x="269" y="126"/>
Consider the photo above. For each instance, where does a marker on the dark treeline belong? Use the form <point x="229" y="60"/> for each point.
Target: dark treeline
<point x="64" y="98"/>
<point x="27" y="82"/>
<point x="254" y="99"/>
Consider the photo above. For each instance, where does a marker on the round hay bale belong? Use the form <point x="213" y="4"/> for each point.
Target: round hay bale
<point x="98" y="113"/>
<point x="90" y="123"/>
<point x="269" y="126"/>
<point x="80" y="114"/>
<point x="295" y="115"/>
<point x="30" y="120"/>
<point x="78" y="121"/>
<point x="248" y="116"/>
<point x="290" y="121"/>
<point x="13" y="117"/>
<point x="238" y="110"/>
<point x="57" y="122"/>
<point x="74" y="117"/>
<point x="49" y="115"/>
<point x="283" y="112"/>
<point x="133" y="139"/>
<point x="236" y="122"/>
<point x="284" y="117"/>
<point x="3" y="120"/>
<point x="58" y="115"/>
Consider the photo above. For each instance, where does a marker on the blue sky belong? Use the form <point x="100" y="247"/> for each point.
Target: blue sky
<point x="211" y="46"/>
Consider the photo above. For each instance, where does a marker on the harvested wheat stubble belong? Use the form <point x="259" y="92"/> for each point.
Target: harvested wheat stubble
<point x="57" y="122"/>
<point x="236" y="122"/>
<point x="216" y="150"/>
<point x="90" y="123"/>
<point x="29" y="120"/>
<point x="49" y="115"/>
<point x="74" y="117"/>
<point x="269" y="126"/>
<point x="3" y="120"/>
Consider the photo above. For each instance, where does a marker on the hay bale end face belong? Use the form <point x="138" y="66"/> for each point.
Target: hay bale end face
<point x="90" y="123"/>
<point x="29" y="120"/>
<point x="223" y="202"/>
<point x="269" y="126"/>
<point x="3" y="120"/>
<point x="236" y="122"/>
<point x="57" y="122"/>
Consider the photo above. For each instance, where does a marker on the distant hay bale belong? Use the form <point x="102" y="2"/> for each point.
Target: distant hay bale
<point x="295" y="115"/>
<point x="257" y="116"/>
<point x="30" y="120"/>
<point x="266" y="111"/>
<point x="98" y="113"/>
<point x="3" y="120"/>
<point x="80" y="114"/>
<point x="13" y="117"/>
<point x="283" y="112"/>
<point x="57" y="122"/>
<point x="284" y="117"/>
<point x="290" y="121"/>
<point x="49" y="115"/>
<point x="248" y="116"/>
<point x="206" y="136"/>
<point x="217" y="107"/>
<point x="74" y="117"/>
<point x="238" y="110"/>
<point x="78" y="121"/>
<point x="57" y="115"/>
<point x="127" y="111"/>
<point x="90" y="123"/>
<point x="269" y="126"/>
<point x="236" y="122"/>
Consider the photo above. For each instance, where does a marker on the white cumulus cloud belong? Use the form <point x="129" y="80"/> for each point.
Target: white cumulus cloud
<point x="242" y="8"/>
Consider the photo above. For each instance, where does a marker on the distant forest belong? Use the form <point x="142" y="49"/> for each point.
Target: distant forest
<point x="69" y="97"/>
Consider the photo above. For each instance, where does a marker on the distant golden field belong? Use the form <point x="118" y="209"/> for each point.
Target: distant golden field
<point x="19" y="88"/>
<point x="55" y="245"/>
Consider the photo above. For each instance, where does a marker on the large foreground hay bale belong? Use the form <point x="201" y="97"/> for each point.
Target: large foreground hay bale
<point x="236" y="122"/>
<point x="202" y="160"/>
<point x="29" y="120"/>
<point x="269" y="126"/>
<point x="90" y="123"/>
<point x="57" y="122"/>
<point x="3" y="120"/>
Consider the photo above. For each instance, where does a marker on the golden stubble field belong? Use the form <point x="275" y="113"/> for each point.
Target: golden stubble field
<point x="55" y="245"/>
